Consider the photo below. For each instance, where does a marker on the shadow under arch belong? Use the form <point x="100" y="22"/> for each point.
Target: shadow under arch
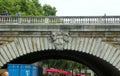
<point x="99" y="66"/>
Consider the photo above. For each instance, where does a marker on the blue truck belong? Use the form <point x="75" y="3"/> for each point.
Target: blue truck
<point x="22" y="70"/>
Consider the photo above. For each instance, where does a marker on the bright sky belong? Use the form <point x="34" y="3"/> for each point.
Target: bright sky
<point x="84" y="7"/>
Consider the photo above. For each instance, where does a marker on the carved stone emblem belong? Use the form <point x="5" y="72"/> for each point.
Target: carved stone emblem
<point x="59" y="39"/>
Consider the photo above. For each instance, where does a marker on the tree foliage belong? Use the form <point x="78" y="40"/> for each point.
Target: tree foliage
<point x="64" y="64"/>
<point x="26" y="8"/>
<point x="48" y="10"/>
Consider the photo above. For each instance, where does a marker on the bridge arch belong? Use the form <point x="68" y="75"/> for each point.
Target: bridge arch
<point x="93" y="52"/>
<point x="99" y="66"/>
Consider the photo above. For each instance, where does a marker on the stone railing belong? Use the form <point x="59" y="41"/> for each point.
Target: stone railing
<point x="61" y="19"/>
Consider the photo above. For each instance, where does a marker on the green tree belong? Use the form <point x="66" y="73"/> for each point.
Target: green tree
<point x="26" y="8"/>
<point x="48" y="10"/>
<point x="68" y="65"/>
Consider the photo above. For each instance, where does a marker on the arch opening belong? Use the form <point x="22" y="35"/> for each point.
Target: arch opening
<point x="99" y="66"/>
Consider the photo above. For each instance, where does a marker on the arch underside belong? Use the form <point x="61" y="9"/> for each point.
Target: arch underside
<point x="100" y="56"/>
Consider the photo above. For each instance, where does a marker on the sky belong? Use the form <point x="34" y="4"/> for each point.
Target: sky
<point x="84" y="7"/>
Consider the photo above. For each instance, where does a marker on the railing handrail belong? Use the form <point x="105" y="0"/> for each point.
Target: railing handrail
<point x="70" y="16"/>
<point x="61" y="19"/>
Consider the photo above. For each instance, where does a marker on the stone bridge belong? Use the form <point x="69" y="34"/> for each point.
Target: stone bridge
<point x="90" y="40"/>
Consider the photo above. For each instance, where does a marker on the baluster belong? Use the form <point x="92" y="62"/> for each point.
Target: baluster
<point x="34" y="19"/>
<point x="112" y="20"/>
<point x="53" y="18"/>
<point x="56" y="20"/>
<point x="64" y="20"/>
<point x="31" y="20"/>
<point x="78" y="20"/>
<point x="84" y="20"/>
<point x="107" y="20"/>
<point x="81" y="20"/>
<point x="10" y="20"/>
<point x="37" y="20"/>
<point x="90" y="20"/>
<point x="40" y="19"/>
<point x="2" y="19"/>
<point x="26" y="19"/>
<point x="23" y="19"/>
<point x="98" y="20"/>
<point x="68" y="20"/>
<point x="16" y="19"/>
<point x="94" y="20"/>
<point x="87" y="20"/>
<point x="118" y="20"/>
<point x="43" y="20"/>
<point x="50" y="20"/>
<point x="115" y="20"/>
<point x="104" y="20"/>
<point x="7" y="19"/>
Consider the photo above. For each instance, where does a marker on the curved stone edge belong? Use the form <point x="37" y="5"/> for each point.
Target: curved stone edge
<point x="93" y="46"/>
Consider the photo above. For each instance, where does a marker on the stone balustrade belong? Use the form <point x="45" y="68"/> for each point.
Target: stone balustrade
<point x="61" y="19"/>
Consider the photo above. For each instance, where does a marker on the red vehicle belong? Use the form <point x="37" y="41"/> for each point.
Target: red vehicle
<point x="80" y="75"/>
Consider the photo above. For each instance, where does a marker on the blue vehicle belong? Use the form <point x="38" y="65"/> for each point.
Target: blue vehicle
<point x="22" y="70"/>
